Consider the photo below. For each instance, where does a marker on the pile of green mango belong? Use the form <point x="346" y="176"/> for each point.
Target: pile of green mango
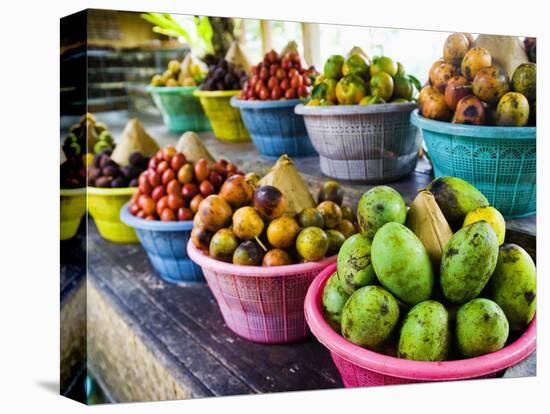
<point x="358" y="80"/>
<point x="389" y="295"/>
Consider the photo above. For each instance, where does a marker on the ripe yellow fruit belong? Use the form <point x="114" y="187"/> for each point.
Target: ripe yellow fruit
<point x="492" y="217"/>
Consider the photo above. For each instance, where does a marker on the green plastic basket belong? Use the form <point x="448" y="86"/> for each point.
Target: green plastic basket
<point x="180" y="109"/>
<point x="500" y="161"/>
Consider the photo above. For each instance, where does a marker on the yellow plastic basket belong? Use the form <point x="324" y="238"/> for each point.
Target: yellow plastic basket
<point x="225" y="120"/>
<point x="104" y="205"/>
<point x="72" y="209"/>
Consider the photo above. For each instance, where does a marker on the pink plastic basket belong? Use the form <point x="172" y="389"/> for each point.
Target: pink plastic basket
<point x="261" y="304"/>
<point x="360" y="367"/>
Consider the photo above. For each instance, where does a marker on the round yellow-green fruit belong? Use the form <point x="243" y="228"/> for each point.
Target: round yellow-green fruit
<point x="490" y="215"/>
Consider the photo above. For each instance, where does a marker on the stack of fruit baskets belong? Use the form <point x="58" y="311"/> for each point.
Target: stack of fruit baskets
<point x="261" y="243"/>
<point x="479" y="123"/>
<point x="358" y="119"/>
<point x="409" y="300"/>
<point x="223" y="81"/>
<point x="276" y="85"/>
<point x="173" y="91"/>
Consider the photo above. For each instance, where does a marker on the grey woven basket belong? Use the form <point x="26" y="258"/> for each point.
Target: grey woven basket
<point x="371" y="143"/>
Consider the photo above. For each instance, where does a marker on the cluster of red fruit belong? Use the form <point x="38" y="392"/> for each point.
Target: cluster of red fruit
<point x="277" y="78"/>
<point x="171" y="188"/>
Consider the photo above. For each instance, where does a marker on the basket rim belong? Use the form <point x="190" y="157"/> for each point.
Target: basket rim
<point x="215" y="94"/>
<point x="209" y="263"/>
<point x="171" y="90"/>
<point x="72" y="192"/>
<point x="403" y="368"/>
<point x="331" y="110"/>
<point x="248" y="104"/>
<point x="477" y="131"/>
<point x="106" y="192"/>
<point x="152" y="225"/>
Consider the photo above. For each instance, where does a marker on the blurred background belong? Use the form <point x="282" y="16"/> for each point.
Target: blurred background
<point x="123" y="50"/>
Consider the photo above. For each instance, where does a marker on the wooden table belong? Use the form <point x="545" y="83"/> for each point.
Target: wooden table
<point x="150" y="340"/>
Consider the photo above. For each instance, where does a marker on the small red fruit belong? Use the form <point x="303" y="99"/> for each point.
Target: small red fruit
<point x="290" y="93"/>
<point x="168" y="176"/>
<point x="206" y="188"/>
<point x="177" y="161"/>
<point x="162" y="166"/>
<point x="285" y="84"/>
<point x="272" y="82"/>
<point x="175" y="201"/>
<point x="201" y="170"/>
<point x="184" y="214"/>
<point x="189" y="191"/>
<point x="167" y="215"/>
<point x="276" y="93"/>
<point x="158" y="193"/>
<point x="173" y="187"/>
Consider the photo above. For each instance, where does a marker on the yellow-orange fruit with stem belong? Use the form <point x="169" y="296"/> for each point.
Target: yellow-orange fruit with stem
<point x="475" y="59"/>
<point x="237" y="191"/>
<point x="215" y="212"/>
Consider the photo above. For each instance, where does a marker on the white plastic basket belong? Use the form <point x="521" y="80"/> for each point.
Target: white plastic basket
<point x="370" y="143"/>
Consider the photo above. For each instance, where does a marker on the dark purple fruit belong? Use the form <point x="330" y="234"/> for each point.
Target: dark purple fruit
<point x="103" y="182"/>
<point x="119" y="182"/>
<point x="135" y="159"/>
<point x="110" y="170"/>
<point x="133" y="182"/>
<point x="248" y="253"/>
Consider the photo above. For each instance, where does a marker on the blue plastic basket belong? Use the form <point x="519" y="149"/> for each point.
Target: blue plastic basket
<point x="500" y="161"/>
<point x="166" y="246"/>
<point x="181" y="110"/>
<point x="275" y="128"/>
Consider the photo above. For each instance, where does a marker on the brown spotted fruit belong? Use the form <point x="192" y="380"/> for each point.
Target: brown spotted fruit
<point x="457" y="88"/>
<point x="468" y="261"/>
<point x="490" y="84"/>
<point x="469" y="110"/>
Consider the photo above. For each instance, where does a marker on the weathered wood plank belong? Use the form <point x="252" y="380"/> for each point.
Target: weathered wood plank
<point x="187" y="324"/>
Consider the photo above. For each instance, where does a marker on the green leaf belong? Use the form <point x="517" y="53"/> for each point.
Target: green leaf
<point x="415" y="82"/>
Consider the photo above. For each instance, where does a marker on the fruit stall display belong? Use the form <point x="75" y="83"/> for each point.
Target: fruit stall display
<point x="268" y="238"/>
<point x="172" y="92"/>
<point x="223" y="81"/>
<point x="266" y="102"/>
<point x="358" y="119"/>
<point x="434" y="283"/>
<point x="162" y="209"/>
<point x="112" y="178"/>
<point x="478" y="122"/>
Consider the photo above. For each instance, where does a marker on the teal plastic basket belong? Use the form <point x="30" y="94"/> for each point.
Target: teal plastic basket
<point x="500" y="161"/>
<point x="180" y="109"/>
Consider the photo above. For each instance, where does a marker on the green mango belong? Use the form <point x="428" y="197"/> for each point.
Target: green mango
<point x="334" y="298"/>
<point x="456" y="198"/>
<point x="333" y="67"/>
<point x="378" y="206"/>
<point x="468" y="261"/>
<point x="513" y="285"/>
<point x="481" y="328"/>
<point x="402" y="264"/>
<point x="369" y="317"/>
<point x="354" y="264"/>
<point x="425" y="334"/>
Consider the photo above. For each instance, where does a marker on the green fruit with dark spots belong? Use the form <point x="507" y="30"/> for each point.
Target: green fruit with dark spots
<point x="369" y="317"/>
<point x="425" y="333"/>
<point x="356" y="65"/>
<point x="248" y="253"/>
<point x="347" y="213"/>
<point x="468" y="261"/>
<point x="331" y="191"/>
<point x="334" y="298"/>
<point x="312" y="243"/>
<point x="223" y="244"/>
<point x="354" y="264"/>
<point x="402" y="264"/>
<point x="335" y="241"/>
<point x="524" y="80"/>
<point x="513" y="285"/>
<point x="456" y="198"/>
<point x="481" y="328"/>
<point x="378" y="206"/>
<point x="310" y="217"/>
<point x="512" y="110"/>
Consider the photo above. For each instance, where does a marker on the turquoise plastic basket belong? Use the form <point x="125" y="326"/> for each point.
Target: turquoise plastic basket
<point x="500" y="161"/>
<point x="181" y="110"/>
